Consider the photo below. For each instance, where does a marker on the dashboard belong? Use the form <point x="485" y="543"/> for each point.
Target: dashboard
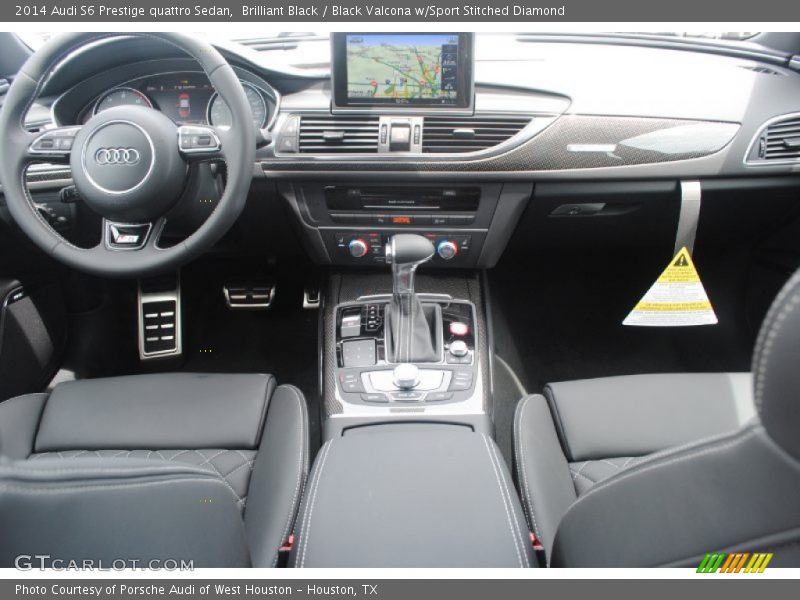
<point x="356" y="162"/>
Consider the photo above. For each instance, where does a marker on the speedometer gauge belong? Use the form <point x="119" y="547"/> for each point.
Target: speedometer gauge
<point x="220" y="115"/>
<point x="121" y="96"/>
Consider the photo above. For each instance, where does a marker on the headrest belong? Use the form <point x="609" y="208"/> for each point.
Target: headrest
<point x="776" y="368"/>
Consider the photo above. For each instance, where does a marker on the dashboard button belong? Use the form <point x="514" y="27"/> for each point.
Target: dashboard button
<point x="407" y="396"/>
<point x="440" y="220"/>
<point x="351" y="382"/>
<point x="461" y="381"/>
<point x="287" y="143"/>
<point x="375" y="397"/>
<point x="458" y="328"/>
<point x="290" y="127"/>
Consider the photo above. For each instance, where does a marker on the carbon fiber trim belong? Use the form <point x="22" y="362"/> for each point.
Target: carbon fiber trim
<point x="344" y="287"/>
<point x="635" y="141"/>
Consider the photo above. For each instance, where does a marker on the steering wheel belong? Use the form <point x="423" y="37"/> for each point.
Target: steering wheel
<point x="129" y="164"/>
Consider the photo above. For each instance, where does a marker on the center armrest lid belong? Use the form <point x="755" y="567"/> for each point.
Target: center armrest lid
<point x="411" y="495"/>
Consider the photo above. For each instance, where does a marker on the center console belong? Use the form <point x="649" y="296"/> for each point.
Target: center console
<point x="403" y="350"/>
<point x="406" y="375"/>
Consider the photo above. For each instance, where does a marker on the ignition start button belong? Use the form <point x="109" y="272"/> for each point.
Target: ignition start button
<point x="459" y="329"/>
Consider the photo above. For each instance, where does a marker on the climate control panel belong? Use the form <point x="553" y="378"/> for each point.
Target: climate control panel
<point x="364" y="247"/>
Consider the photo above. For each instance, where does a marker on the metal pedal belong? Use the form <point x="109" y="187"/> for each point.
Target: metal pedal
<point x="159" y="317"/>
<point x="249" y="295"/>
<point x="312" y="296"/>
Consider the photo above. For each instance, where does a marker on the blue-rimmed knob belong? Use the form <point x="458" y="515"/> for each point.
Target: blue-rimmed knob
<point x="447" y="249"/>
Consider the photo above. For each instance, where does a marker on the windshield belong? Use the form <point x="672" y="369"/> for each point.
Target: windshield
<point x="34" y="39"/>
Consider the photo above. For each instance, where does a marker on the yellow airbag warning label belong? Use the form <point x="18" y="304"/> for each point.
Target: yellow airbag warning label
<point x="676" y="299"/>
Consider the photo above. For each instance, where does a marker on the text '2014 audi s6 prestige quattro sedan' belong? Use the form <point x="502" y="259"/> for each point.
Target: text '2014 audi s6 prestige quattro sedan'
<point x="400" y="300"/>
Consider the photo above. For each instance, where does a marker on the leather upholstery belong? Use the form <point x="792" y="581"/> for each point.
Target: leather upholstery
<point x="735" y="493"/>
<point x="19" y="420"/>
<point x="776" y="368"/>
<point x="413" y="330"/>
<point x="169" y="445"/>
<point x="114" y="509"/>
<point x="727" y="491"/>
<point x="635" y="415"/>
<point x="542" y="471"/>
<point x="234" y="467"/>
<point x="171" y="410"/>
<point x="411" y="495"/>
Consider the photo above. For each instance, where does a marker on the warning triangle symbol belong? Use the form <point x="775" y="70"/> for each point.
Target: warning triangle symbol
<point x="681" y="261"/>
<point x="676" y="299"/>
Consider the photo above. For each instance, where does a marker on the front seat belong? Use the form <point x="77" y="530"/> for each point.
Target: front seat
<point x="658" y="470"/>
<point x="152" y="468"/>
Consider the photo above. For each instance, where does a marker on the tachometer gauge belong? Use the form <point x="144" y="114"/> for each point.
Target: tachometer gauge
<point x="220" y="115"/>
<point x="121" y="96"/>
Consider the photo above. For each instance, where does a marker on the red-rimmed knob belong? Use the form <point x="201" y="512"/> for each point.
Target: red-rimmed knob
<point x="358" y="247"/>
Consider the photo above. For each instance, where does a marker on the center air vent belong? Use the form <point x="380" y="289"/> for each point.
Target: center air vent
<point x="469" y="134"/>
<point x="338" y="135"/>
<point x="778" y="141"/>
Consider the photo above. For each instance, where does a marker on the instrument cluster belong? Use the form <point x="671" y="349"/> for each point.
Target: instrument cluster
<point x="187" y="98"/>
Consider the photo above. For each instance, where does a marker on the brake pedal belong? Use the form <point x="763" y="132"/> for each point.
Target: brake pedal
<point x="249" y="295"/>
<point x="160" y="317"/>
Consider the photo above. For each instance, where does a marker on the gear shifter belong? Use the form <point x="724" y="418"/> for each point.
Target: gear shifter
<point x="414" y="331"/>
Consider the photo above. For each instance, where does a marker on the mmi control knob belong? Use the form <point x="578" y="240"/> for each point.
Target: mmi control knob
<point x="358" y="248"/>
<point x="447" y="249"/>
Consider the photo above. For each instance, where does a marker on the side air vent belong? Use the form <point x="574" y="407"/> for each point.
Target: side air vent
<point x="778" y="141"/>
<point x="338" y="135"/>
<point x="469" y="134"/>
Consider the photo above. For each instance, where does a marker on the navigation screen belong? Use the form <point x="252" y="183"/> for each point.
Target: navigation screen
<point x="403" y="69"/>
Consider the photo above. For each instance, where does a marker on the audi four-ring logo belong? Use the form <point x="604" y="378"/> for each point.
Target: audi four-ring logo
<point x="117" y="156"/>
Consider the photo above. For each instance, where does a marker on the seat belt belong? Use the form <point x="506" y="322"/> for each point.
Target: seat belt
<point x="689" y="215"/>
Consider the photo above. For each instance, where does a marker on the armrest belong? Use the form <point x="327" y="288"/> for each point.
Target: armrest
<point x="411" y="495"/>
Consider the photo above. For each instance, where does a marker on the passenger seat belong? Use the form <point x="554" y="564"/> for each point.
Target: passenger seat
<point x="657" y="470"/>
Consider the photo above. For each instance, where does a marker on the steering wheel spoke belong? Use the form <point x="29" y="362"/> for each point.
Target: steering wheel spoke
<point x="120" y="237"/>
<point x="200" y="142"/>
<point x="53" y="145"/>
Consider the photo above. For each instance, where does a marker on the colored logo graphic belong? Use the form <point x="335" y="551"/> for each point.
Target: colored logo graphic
<point x="742" y="562"/>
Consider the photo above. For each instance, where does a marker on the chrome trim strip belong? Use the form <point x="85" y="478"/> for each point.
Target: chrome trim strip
<point x="691" y="196"/>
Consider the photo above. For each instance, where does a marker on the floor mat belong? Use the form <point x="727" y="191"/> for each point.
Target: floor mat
<point x="560" y="317"/>
<point x="281" y="341"/>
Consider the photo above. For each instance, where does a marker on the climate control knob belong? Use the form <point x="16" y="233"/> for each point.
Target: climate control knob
<point x="447" y="249"/>
<point x="358" y="248"/>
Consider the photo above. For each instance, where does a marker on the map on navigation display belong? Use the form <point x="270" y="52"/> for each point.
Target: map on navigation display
<point x="403" y="68"/>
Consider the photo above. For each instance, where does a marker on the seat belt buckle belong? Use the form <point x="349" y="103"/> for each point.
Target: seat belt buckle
<point x="538" y="550"/>
<point x="284" y="551"/>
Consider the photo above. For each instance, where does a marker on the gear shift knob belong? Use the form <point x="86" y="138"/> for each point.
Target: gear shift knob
<point x="405" y="252"/>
